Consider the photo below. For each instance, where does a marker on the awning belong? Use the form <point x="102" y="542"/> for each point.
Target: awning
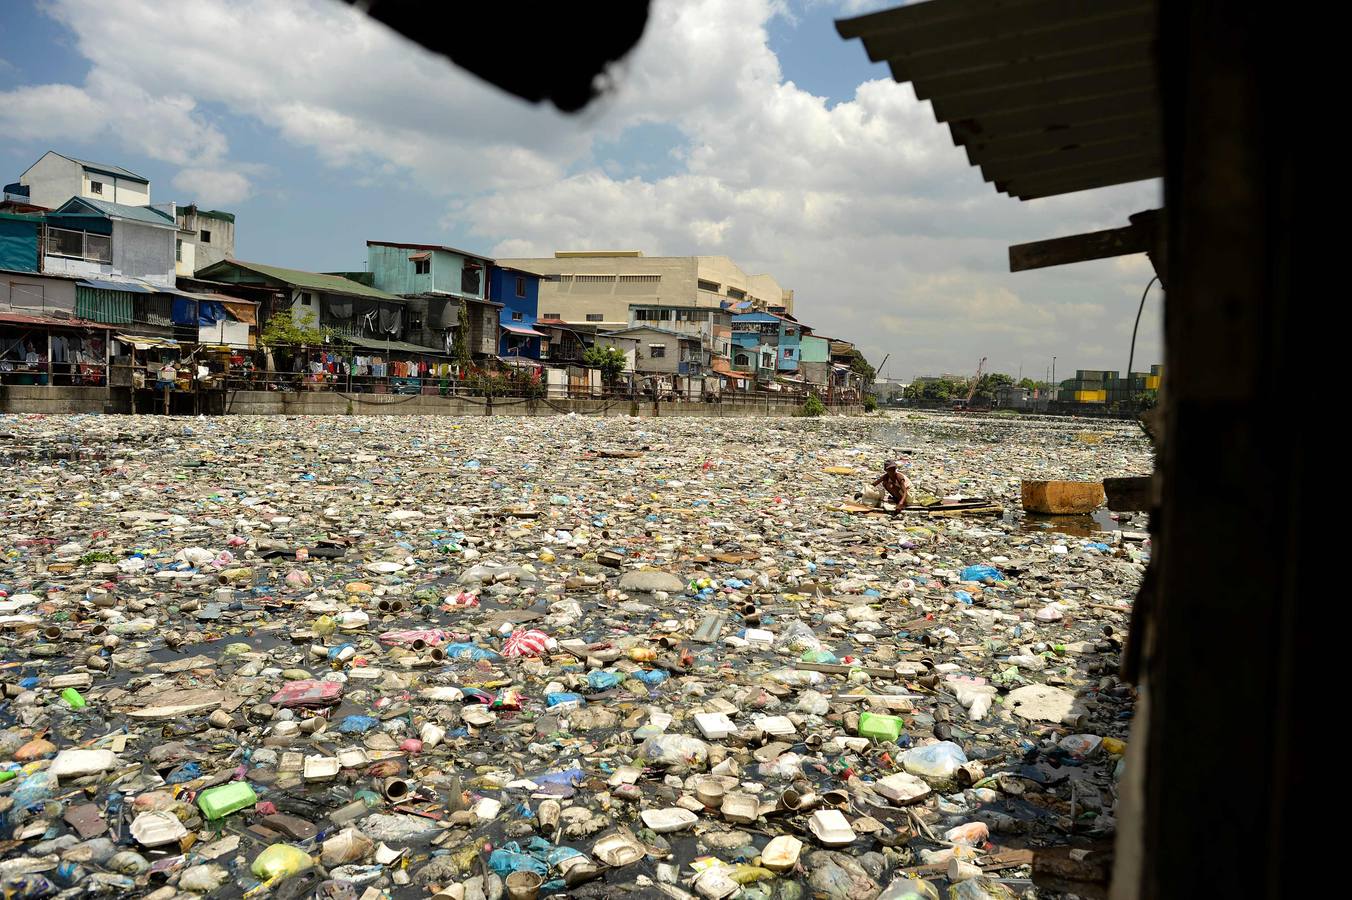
<point x="419" y="257"/>
<point x="146" y="342"/>
<point x="51" y="322"/>
<point x="392" y="346"/>
<point x="524" y="330"/>
<point x="132" y="287"/>
<point x="520" y="362"/>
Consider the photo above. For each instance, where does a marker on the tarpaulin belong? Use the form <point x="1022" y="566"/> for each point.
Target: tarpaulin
<point x="184" y="311"/>
<point x="244" y="312"/>
<point x="209" y="312"/>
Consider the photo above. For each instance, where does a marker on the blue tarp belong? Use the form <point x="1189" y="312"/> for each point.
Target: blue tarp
<point x="185" y="311"/>
<point x="209" y="312"/>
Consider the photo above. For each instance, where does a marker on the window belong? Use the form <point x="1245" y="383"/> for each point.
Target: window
<point x="521" y="287"/>
<point x="306" y="299"/>
<point x="788" y="353"/>
<point x="735" y="294"/>
<point x="652" y="315"/>
<point x="415" y="322"/>
<point x="595" y="317"/>
<point x="79" y="245"/>
<point x="96" y="187"/>
<point x="517" y="317"/>
<point x="640" y="279"/>
<point x="657" y="351"/>
<point x="422" y="266"/>
<point x="742" y="360"/>
<point x="550" y="316"/>
<point x="206" y="236"/>
<point x="178" y="250"/>
<point x="790" y="332"/>
<point x="469" y="280"/>
<point x="709" y="285"/>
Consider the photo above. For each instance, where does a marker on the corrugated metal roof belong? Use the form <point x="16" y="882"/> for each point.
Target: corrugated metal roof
<point x="458" y="252"/>
<point x="330" y="284"/>
<point x="1047" y="96"/>
<point x="108" y="169"/>
<point x="393" y="346"/>
<point x="143" y="214"/>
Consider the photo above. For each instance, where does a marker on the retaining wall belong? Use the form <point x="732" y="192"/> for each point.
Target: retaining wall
<point x="41" y="399"/>
<point x="263" y="403"/>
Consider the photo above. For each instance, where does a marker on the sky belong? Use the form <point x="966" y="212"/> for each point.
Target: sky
<point x="744" y="128"/>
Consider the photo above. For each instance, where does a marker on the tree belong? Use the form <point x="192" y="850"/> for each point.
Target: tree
<point x="987" y="385"/>
<point x="460" y="343"/>
<point x="860" y="367"/>
<point x="610" y="360"/>
<point x="284" y="330"/>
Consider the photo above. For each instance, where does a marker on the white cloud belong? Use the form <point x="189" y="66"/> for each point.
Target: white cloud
<point x="864" y="207"/>
<point x="213" y="187"/>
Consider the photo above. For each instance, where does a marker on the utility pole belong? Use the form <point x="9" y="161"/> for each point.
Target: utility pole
<point x="1053" y="376"/>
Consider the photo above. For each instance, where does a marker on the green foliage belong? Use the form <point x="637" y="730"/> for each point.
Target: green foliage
<point x="813" y="406"/>
<point x="610" y="360"/>
<point x="97" y="556"/>
<point x="860" y="367"/>
<point x="490" y="383"/>
<point x="870" y="403"/>
<point x="284" y="330"/>
<point x="460" y="343"/>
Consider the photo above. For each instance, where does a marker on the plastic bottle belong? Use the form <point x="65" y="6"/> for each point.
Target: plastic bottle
<point x="642" y="654"/>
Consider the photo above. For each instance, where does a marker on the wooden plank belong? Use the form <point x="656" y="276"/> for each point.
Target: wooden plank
<point x="1078" y="248"/>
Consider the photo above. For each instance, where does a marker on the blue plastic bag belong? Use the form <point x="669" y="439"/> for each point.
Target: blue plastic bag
<point x="356" y="724"/>
<point x="963" y="596"/>
<point x="982" y="573"/>
<point x="603" y="681"/>
<point x="564" y="697"/>
<point x="469" y="651"/>
<point x="652" y="678"/>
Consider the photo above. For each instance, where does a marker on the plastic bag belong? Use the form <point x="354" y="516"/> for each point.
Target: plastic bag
<point x="797" y="636"/>
<point x="674" y="750"/>
<point x="981" y="573"/>
<point x="280" y="861"/>
<point x="939" y="760"/>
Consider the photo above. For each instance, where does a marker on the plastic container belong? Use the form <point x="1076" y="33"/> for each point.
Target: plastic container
<point x="880" y="727"/>
<point x="221" y="801"/>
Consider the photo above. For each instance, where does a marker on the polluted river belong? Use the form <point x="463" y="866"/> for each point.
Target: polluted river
<point x="498" y="657"/>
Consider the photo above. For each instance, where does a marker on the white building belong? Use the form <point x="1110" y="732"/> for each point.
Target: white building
<point x="55" y="178"/>
<point x="599" y="286"/>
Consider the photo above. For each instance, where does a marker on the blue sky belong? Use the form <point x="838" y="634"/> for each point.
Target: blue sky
<point x="784" y="148"/>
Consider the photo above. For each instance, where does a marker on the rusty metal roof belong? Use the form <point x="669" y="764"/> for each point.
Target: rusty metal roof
<point x="1046" y="96"/>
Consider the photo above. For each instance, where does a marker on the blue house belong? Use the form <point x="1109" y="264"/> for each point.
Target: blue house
<point x="519" y="293"/>
<point x="750" y="330"/>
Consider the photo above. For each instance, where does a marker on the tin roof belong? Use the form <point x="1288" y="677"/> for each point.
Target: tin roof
<point x="329" y="284"/>
<point x="1046" y="96"/>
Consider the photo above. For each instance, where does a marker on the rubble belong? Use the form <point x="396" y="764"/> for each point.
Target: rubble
<point x="510" y="657"/>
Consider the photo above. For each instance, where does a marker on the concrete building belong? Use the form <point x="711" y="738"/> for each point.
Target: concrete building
<point x="519" y="293"/>
<point x="598" y="286"/>
<point x="205" y="237"/>
<point x="436" y="280"/>
<point x="93" y="238"/>
<point x="671" y="361"/>
<point x="712" y="326"/>
<point x="55" y="178"/>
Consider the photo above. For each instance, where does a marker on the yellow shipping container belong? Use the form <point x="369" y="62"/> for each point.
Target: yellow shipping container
<point x="1152" y="382"/>
<point x="1091" y="396"/>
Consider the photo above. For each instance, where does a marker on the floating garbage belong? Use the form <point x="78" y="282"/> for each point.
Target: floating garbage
<point x="515" y="657"/>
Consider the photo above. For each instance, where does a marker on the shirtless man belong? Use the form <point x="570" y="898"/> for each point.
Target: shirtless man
<point x="895" y="483"/>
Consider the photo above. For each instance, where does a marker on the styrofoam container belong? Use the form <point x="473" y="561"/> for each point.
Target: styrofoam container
<point x="831" y="828"/>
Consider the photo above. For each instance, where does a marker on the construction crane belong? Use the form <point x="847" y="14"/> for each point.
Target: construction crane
<point x="976" y="379"/>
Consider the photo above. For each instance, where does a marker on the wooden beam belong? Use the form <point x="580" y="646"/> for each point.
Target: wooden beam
<point x="1079" y="248"/>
